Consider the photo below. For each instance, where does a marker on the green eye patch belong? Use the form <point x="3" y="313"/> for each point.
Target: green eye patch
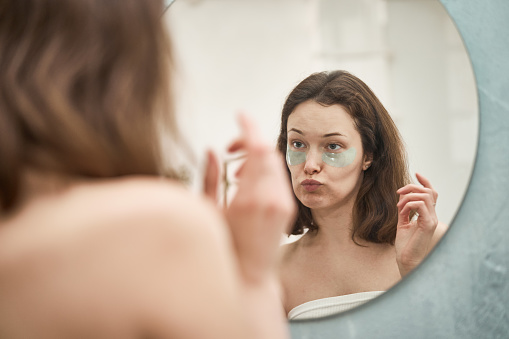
<point x="342" y="159"/>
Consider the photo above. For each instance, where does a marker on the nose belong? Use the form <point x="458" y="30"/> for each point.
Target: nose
<point x="313" y="163"/>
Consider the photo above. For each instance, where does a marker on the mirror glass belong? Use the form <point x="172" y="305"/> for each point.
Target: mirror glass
<point x="248" y="55"/>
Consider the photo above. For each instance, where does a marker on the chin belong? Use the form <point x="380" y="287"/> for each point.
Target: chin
<point x="311" y="201"/>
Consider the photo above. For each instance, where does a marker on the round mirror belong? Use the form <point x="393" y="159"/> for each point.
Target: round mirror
<point x="248" y="55"/>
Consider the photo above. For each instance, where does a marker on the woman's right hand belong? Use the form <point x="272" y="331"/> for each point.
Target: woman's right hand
<point x="263" y="206"/>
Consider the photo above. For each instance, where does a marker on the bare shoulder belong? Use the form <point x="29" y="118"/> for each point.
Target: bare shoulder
<point x="135" y="215"/>
<point x="287" y="253"/>
<point x="288" y="272"/>
<point x="172" y="241"/>
<point x="150" y="204"/>
<point x="142" y="195"/>
<point x="110" y="210"/>
<point x="132" y="252"/>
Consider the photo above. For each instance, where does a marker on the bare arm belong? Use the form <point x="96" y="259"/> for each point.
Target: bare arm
<point x="257" y="216"/>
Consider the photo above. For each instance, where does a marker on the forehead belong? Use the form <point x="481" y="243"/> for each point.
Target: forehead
<point x="311" y="117"/>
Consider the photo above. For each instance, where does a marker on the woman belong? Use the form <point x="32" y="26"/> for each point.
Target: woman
<point x="93" y="241"/>
<point x="347" y="164"/>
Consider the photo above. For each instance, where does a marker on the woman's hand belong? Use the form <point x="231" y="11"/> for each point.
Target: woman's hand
<point x="414" y="237"/>
<point x="261" y="209"/>
<point x="263" y="206"/>
<point x="211" y="177"/>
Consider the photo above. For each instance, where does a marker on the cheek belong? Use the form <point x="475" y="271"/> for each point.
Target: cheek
<point x="345" y="179"/>
<point x="294" y="170"/>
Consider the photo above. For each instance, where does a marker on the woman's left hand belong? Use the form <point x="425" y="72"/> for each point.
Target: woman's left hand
<point x="414" y="237"/>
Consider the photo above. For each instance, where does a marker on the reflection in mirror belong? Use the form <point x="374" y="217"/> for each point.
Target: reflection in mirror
<point x="250" y="54"/>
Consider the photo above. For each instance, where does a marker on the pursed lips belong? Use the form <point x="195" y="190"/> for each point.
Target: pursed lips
<point x="311" y="185"/>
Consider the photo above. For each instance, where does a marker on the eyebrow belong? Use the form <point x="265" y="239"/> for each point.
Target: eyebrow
<point x="324" y="136"/>
<point x="333" y="134"/>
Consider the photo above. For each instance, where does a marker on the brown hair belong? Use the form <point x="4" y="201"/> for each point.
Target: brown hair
<point x="375" y="214"/>
<point x="82" y="85"/>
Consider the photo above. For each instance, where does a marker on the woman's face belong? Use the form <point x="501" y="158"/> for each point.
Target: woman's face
<point x="324" y="155"/>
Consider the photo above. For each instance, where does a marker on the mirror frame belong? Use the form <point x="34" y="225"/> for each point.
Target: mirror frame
<point x="462" y="289"/>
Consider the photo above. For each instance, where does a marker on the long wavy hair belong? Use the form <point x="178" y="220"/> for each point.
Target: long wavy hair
<point x="84" y="88"/>
<point x="375" y="215"/>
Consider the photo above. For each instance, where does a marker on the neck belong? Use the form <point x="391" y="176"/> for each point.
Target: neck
<point x="334" y="224"/>
<point x="36" y="184"/>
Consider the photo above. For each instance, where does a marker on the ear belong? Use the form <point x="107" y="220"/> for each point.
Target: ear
<point x="368" y="159"/>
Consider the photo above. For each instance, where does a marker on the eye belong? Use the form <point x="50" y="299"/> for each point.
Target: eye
<point x="333" y="147"/>
<point x="297" y="144"/>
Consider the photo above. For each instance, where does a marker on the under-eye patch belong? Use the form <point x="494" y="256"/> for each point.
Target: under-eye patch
<point x="294" y="158"/>
<point x="332" y="159"/>
<point x="339" y="159"/>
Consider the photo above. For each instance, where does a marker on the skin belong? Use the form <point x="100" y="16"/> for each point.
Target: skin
<point x="128" y="258"/>
<point x="327" y="262"/>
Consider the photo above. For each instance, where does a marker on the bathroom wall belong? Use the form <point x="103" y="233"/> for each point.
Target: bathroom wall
<point x="247" y="55"/>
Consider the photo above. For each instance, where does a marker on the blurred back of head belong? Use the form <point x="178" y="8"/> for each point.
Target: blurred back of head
<point x="82" y="85"/>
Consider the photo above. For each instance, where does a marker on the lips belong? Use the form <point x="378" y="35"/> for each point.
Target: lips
<point x="311" y="185"/>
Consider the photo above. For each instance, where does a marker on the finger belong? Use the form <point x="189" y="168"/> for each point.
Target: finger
<point x="425" y="219"/>
<point x="249" y="129"/>
<point x="404" y="199"/>
<point x="240" y="171"/>
<point x="236" y="145"/>
<point x="259" y="154"/>
<point x="413" y="188"/>
<point x="239" y="164"/>
<point x="423" y="230"/>
<point x="249" y="132"/>
<point x="423" y="180"/>
<point x="406" y="209"/>
<point x="403" y="218"/>
<point x="426" y="183"/>
<point x="211" y="178"/>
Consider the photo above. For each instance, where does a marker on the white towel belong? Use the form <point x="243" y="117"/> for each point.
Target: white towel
<point x="333" y="305"/>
